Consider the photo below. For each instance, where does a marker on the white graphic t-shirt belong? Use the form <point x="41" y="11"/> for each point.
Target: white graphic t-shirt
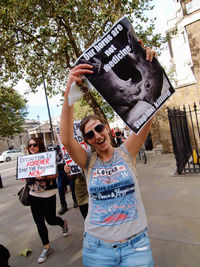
<point x="115" y="211"/>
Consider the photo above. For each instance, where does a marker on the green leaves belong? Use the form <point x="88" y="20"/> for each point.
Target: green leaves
<point x="12" y="112"/>
<point x="62" y="30"/>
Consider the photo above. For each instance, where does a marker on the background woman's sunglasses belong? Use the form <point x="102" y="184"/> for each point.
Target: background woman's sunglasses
<point x="99" y="128"/>
<point x="34" y="145"/>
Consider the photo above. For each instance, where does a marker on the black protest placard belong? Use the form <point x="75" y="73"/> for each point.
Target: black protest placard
<point x="41" y="164"/>
<point x="79" y="138"/>
<point x="134" y="87"/>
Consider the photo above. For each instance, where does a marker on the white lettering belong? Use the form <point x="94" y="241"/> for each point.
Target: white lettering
<point x="110" y="50"/>
<point x="116" y="58"/>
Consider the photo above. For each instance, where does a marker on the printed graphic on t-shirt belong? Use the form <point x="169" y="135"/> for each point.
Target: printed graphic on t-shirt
<point x="112" y="195"/>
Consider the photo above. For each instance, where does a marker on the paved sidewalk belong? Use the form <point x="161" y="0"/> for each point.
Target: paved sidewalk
<point x="172" y="207"/>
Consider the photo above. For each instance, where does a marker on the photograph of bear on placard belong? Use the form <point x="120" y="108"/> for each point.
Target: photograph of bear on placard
<point x="134" y="87"/>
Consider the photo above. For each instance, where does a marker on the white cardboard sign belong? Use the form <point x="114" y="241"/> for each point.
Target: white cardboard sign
<point x="79" y="138"/>
<point x="41" y="164"/>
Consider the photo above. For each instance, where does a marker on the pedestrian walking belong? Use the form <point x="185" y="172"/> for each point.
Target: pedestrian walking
<point x="4" y="256"/>
<point x="118" y="137"/>
<point x="43" y="202"/>
<point x="63" y="182"/>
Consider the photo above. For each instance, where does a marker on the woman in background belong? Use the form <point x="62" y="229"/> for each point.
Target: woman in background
<point x="43" y="202"/>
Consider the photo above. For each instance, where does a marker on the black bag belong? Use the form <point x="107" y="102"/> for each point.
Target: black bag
<point x="24" y="196"/>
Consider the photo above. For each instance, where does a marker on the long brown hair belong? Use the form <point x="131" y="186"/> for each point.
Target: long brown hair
<point x="39" y="142"/>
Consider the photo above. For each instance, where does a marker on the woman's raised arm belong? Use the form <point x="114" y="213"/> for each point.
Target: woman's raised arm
<point x="77" y="153"/>
<point x="134" y="142"/>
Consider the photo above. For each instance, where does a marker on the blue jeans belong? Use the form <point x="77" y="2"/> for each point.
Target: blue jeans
<point x="134" y="252"/>
<point x="63" y="181"/>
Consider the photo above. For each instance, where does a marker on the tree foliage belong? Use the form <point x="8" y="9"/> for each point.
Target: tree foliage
<point x="53" y="33"/>
<point x="82" y="108"/>
<point x="12" y="112"/>
<point x="50" y="35"/>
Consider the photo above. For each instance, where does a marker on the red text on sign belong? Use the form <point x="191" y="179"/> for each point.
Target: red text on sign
<point x="38" y="162"/>
<point x="35" y="173"/>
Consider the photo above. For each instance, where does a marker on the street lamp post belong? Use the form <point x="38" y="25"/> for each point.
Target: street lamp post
<point x="45" y="90"/>
<point x="39" y="122"/>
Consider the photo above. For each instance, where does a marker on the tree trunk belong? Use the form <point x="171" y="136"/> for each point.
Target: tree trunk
<point x="96" y="108"/>
<point x="93" y="104"/>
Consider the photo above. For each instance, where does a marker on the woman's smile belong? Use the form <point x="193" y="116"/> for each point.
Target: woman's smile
<point x="99" y="139"/>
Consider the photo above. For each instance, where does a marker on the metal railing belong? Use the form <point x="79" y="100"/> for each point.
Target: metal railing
<point x="185" y="134"/>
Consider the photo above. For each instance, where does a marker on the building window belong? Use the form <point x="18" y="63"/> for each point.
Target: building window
<point x="192" y="6"/>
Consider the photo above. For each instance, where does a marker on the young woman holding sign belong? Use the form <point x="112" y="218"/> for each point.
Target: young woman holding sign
<point x="116" y="226"/>
<point x="43" y="202"/>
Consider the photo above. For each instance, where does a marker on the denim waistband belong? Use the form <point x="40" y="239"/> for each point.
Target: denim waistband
<point x="131" y="240"/>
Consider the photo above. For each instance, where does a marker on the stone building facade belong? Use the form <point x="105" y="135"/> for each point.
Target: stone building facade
<point x="19" y="141"/>
<point x="43" y="131"/>
<point x="31" y="128"/>
<point x="184" y="47"/>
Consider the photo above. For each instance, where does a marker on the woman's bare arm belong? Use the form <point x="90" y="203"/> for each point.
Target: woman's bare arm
<point x="134" y="142"/>
<point x="77" y="153"/>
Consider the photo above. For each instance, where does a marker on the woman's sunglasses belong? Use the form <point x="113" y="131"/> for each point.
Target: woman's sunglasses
<point x="34" y="145"/>
<point x="99" y="128"/>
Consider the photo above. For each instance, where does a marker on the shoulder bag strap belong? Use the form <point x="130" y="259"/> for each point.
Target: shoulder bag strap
<point x="127" y="159"/>
<point x="90" y="166"/>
